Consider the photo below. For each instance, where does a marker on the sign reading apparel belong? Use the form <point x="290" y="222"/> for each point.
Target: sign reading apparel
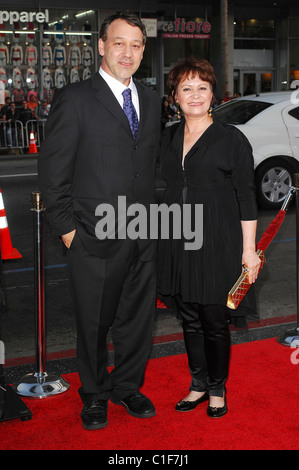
<point x="182" y="29"/>
<point x="23" y="16"/>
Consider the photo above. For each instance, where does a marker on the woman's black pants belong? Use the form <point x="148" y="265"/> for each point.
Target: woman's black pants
<point x="207" y="340"/>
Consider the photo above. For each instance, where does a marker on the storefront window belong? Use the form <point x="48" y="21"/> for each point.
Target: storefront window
<point x="147" y="71"/>
<point x="253" y="34"/>
<point x="254" y="55"/>
<point x="282" y="68"/>
<point x="41" y="51"/>
<point x="254" y="44"/>
<point x="176" y="49"/>
<point x="74" y="53"/>
<point x="294" y="27"/>
<point x="294" y="59"/>
<point x="252" y="28"/>
<point x="293" y="48"/>
<point x="289" y="46"/>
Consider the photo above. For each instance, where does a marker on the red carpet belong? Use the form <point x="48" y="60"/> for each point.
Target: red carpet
<point x="263" y="401"/>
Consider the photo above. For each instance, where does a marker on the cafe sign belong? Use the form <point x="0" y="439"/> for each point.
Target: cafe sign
<point x="181" y="28"/>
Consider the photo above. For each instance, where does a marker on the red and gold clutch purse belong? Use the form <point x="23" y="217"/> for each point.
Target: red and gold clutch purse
<point x="241" y="287"/>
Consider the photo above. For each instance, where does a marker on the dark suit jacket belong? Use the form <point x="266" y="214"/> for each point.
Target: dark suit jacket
<point x="89" y="157"/>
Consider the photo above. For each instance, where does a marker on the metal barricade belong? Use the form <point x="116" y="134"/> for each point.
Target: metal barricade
<point x="42" y="129"/>
<point x="37" y="126"/>
<point x="15" y="135"/>
<point x="11" y="135"/>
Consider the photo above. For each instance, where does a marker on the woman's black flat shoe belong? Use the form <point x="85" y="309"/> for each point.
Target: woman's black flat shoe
<point x="191" y="405"/>
<point x="215" y="412"/>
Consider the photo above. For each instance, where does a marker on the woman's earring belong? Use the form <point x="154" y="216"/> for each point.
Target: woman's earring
<point x="178" y="111"/>
<point x="210" y="112"/>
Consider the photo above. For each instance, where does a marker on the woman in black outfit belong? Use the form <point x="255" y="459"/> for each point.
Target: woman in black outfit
<point x="206" y="162"/>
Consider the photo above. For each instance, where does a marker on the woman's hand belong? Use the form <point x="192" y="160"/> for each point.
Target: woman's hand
<point x="249" y="258"/>
<point x="251" y="261"/>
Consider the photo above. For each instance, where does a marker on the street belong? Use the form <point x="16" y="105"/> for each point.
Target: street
<point x="276" y="286"/>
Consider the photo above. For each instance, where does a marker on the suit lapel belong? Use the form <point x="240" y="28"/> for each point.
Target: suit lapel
<point x="107" y="99"/>
<point x="143" y="105"/>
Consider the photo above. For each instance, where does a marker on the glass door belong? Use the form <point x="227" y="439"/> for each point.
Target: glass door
<point x="266" y="82"/>
<point x="251" y="82"/>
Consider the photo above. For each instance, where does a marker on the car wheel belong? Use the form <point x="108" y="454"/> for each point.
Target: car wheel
<point x="273" y="180"/>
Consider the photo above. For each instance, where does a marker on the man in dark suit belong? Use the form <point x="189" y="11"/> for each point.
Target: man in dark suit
<point x="90" y="157"/>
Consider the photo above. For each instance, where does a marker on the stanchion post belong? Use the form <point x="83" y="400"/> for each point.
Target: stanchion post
<point x="38" y="233"/>
<point x="39" y="384"/>
<point x="291" y="337"/>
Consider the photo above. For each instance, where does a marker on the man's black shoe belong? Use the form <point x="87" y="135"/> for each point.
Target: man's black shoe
<point x="94" y="414"/>
<point x="137" y="405"/>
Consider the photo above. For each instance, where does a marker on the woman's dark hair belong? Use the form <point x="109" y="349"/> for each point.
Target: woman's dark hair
<point x="191" y="66"/>
<point x="129" y="17"/>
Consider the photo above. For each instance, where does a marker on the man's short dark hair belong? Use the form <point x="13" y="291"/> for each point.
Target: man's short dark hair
<point x="129" y="17"/>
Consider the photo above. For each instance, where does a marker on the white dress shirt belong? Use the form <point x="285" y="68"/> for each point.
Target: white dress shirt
<point x="117" y="88"/>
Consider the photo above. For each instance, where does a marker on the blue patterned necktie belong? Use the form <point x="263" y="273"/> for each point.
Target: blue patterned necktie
<point x="130" y="111"/>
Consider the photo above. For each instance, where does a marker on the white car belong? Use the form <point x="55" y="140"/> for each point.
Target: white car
<point x="270" y="121"/>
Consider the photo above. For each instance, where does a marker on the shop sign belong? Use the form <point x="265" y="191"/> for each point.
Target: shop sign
<point x="23" y="16"/>
<point x="183" y="29"/>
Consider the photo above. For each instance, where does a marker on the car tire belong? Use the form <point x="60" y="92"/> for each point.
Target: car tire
<point x="273" y="179"/>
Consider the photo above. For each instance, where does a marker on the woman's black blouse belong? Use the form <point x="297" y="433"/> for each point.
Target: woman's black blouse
<point x="219" y="174"/>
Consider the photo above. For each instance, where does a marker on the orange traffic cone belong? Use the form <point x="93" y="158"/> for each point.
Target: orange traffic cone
<point x="32" y="145"/>
<point x="7" y="250"/>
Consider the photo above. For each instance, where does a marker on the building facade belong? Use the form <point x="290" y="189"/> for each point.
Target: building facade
<point x="45" y="45"/>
